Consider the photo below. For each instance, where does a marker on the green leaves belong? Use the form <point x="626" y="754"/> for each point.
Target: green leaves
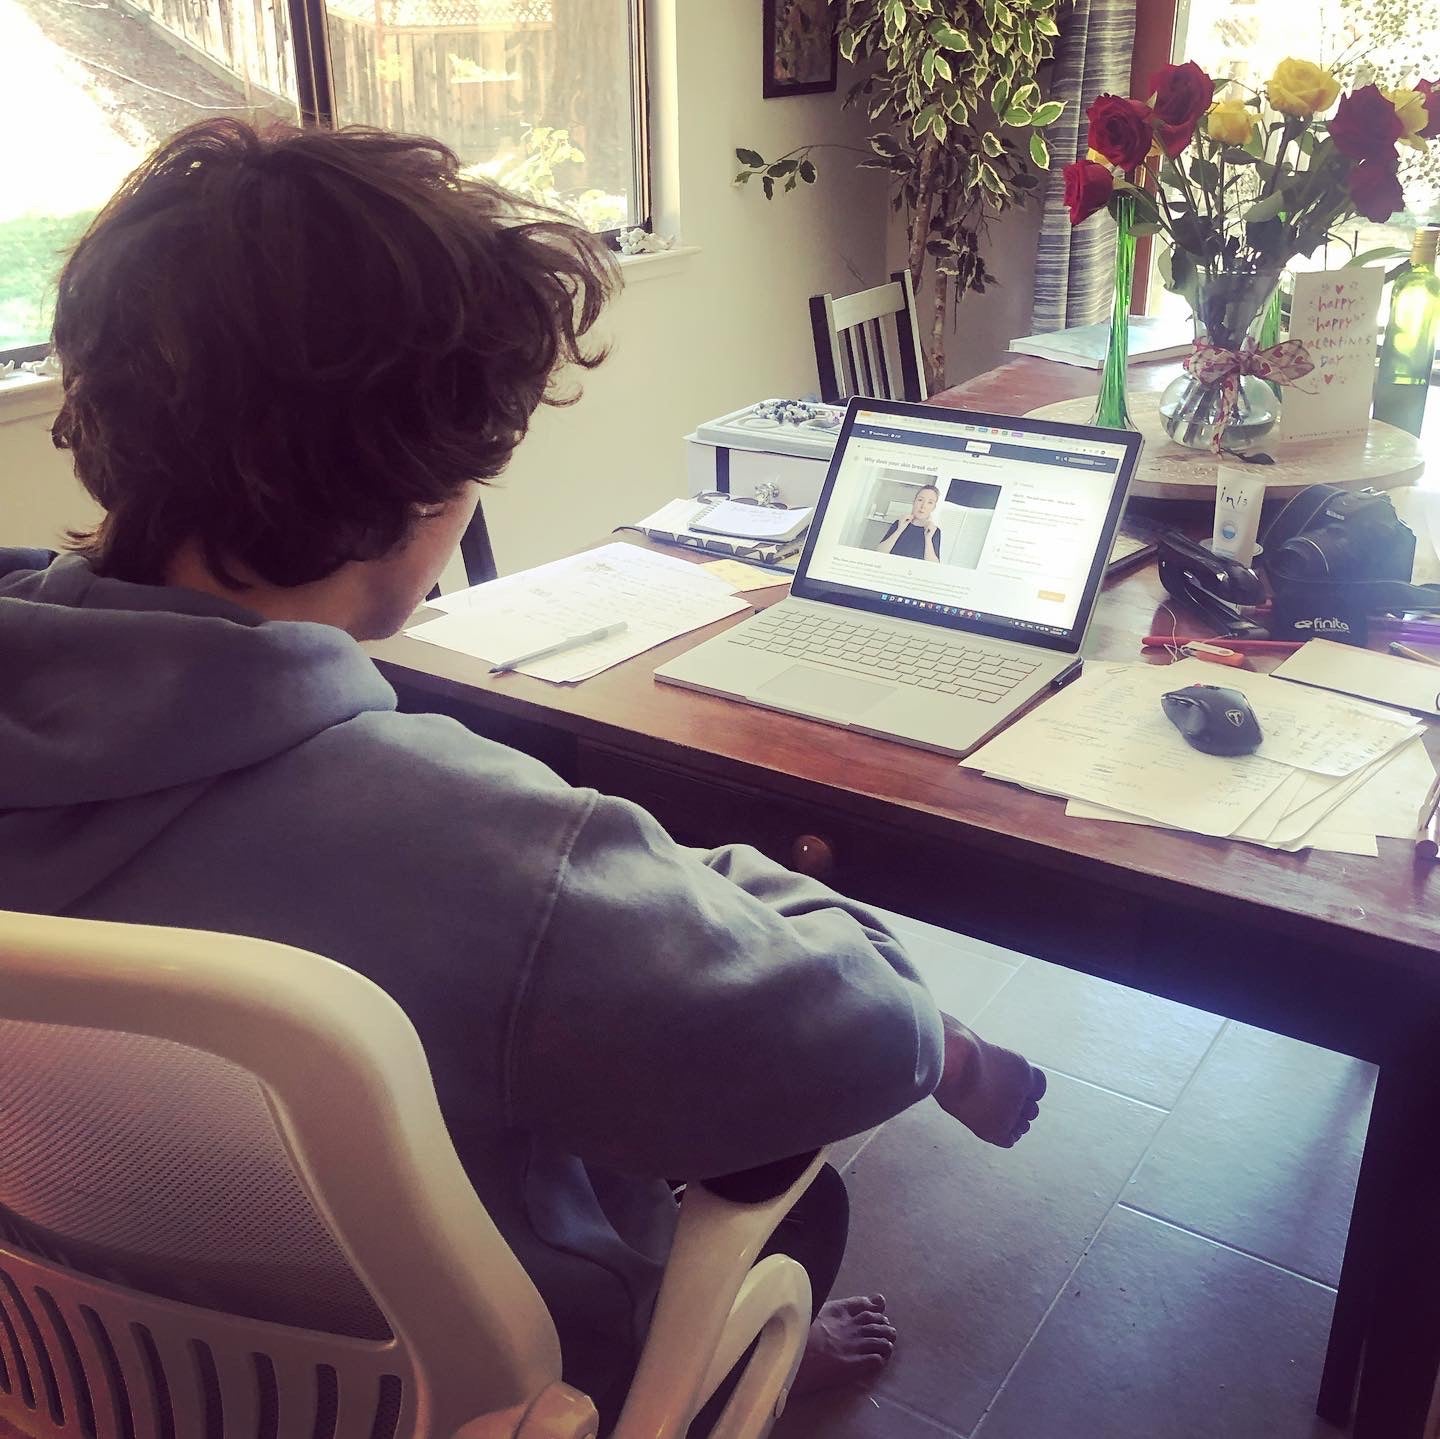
<point x="957" y="109"/>
<point x="1267" y="209"/>
<point x="948" y="37"/>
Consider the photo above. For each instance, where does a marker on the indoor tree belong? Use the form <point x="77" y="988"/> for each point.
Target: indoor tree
<point x="953" y="86"/>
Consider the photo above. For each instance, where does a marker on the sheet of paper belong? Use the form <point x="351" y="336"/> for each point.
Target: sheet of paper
<point x="657" y="596"/>
<point x="1389" y="679"/>
<point x="1333" y="316"/>
<point x="1336" y="842"/>
<point x="1388" y="803"/>
<point x="1104" y="739"/>
<point x="741" y="577"/>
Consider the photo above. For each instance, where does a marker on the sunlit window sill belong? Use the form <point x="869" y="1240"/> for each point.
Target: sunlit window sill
<point x="24" y="396"/>
<point x="656" y="266"/>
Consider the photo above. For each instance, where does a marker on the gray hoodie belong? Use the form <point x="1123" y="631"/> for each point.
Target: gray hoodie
<point x="602" y="1009"/>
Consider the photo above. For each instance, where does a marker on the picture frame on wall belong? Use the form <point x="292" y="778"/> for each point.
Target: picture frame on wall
<point x="802" y="53"/>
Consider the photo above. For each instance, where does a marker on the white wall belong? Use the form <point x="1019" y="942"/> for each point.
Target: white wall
<point x="976" y="338"/>
<point x="699" y="335"/>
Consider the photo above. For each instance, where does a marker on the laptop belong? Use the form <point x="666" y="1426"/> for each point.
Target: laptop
<point x="947" y="580"/>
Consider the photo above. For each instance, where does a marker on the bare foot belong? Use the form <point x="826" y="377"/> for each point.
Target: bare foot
<point x="994" y="1092"/>
<point x="850" y="1343"/>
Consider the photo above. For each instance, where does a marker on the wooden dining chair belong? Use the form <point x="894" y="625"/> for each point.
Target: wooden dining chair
<point x="869" y="343"/>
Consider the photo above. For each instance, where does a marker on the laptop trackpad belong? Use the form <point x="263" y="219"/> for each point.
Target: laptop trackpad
<point x="821" y="691"/>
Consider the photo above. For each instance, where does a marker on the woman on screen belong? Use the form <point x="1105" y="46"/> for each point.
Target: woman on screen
<point x="917" y="536"/>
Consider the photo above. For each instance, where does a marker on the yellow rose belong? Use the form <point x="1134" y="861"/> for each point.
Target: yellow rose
<point x="1302" y="89"/>
<point x="1410" y="107"/>
<point x="1232" y="122"/>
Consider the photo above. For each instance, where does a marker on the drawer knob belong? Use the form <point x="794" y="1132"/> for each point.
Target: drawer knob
<point x="813" y="856"/>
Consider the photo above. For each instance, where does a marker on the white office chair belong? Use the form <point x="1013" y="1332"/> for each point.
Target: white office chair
<point x="869" y="343"/>
<point x="186" y="1113"/>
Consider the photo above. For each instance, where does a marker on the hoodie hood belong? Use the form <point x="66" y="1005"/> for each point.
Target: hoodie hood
<point x="120" y="703"/>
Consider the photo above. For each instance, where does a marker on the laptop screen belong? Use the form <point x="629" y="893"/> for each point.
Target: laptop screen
<point x="976" y="522"/>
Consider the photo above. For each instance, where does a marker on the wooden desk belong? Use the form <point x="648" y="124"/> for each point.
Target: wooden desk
<point x="1334" y="950"/>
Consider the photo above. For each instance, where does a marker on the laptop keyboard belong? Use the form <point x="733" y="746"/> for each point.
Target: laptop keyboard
<point x="926" y="661"/>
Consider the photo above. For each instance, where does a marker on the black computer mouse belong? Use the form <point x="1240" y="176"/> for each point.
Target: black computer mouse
<point x="1214" y="719"/>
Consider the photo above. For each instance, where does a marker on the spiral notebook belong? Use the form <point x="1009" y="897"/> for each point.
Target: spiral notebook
<point x="673" y="524"/>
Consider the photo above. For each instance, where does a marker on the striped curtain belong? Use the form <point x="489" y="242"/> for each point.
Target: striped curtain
<point x="1074" y="269"/>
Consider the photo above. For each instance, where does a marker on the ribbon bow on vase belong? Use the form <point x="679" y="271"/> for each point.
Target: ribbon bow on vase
<point x="1212" y="364"/>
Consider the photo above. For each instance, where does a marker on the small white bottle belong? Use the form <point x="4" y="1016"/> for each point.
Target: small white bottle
<point x="1239" y="495"/>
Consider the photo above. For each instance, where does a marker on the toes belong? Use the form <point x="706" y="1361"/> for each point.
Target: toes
<point x="882" y="1327"/>
<point x="866" y="1348"/>
<point x="1038" y="1084"/>
<point x="861" y="1303"/>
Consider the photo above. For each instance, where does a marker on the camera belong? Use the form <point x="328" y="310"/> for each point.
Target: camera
<point x="1329" y="534"/>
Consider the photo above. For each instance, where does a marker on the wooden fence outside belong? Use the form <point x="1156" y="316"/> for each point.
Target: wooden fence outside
<point x="474" y="88"/>
<point x="247" y="40"/>
<point x="471" y="72"/>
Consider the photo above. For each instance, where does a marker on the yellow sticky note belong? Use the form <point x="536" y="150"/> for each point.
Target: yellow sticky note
<point x="741" y="577"/>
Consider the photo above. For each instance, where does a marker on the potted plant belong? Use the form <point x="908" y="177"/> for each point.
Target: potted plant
<point x="954" y="88"/>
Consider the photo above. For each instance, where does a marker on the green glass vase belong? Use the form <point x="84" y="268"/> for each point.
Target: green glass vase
<point x="1112" y="410"/>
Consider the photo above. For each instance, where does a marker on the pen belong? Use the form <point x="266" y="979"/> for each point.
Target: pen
<point x="1396" y="648"/>
<point x="1243" y="647"/>
<point x="559" y="647"/>
<point x="1427" y="837"/>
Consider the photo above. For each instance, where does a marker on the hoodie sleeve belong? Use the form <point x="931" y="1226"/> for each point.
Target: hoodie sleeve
<point x="689" y="1014"/>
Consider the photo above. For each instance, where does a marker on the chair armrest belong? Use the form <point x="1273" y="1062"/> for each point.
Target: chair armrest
<point x="713" y="1302"/>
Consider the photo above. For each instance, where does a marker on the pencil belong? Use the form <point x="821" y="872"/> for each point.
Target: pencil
<point x="1405" y="652"/>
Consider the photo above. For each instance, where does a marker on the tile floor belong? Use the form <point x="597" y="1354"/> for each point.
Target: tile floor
<point x="1155" y="1260"/>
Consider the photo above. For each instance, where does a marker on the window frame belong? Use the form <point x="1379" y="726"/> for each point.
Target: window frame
<point x="315" y="93"/>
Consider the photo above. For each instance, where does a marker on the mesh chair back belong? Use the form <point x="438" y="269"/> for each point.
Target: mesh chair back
<point x="229" y="1208"/>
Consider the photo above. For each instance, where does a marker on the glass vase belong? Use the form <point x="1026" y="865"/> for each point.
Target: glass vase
<point x="1229" y="306"/>
<point x="1112" y="409"/>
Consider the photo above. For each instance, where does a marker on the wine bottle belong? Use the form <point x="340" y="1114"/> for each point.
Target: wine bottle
<point x="1408" y="351"/>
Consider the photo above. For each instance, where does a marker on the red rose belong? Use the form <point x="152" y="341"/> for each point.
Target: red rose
<point x="1088" y="188"/>
<point x="1366" y="127"/>
<point x="1182" y="95"/>
<point x="1120" y="130"/>
<point x="1430" y="89"/>
<point x="1375" y="189"/>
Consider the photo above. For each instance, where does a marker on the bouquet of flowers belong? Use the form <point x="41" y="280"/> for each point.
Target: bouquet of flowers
<point x="1238" y="187"/>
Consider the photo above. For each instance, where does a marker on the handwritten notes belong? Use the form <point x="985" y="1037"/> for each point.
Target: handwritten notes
<point x="1333" y="315"/>
<point x="1105" y="745"/>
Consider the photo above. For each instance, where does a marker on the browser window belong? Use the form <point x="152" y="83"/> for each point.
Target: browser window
<point x="982" y="522"/>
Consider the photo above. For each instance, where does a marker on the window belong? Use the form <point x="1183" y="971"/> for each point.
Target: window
<point x="535" y="93"/>
<point x="547" y="96"/>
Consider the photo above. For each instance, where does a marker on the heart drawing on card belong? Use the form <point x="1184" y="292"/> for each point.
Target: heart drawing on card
<point x="1328" y="378"/>
<point x="1339" y="289"/>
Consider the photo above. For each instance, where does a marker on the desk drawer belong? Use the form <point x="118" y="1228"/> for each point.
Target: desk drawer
<point x="705" y="812"/>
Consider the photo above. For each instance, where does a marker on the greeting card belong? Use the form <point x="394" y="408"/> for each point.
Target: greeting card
<point x="1333" y="316"/>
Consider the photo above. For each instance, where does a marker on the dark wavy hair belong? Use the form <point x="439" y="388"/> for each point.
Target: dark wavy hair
<point x="286" y="345"/>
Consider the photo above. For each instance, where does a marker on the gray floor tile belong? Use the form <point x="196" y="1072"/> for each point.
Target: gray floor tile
<point x="854" y="1415"/>
<point x="1106" y="1034"/>
<point x="964" y="977"/>
<point x="840" y="1153"/>
<point x="1163" y="1335"/>
<point x="970" y="1244"/>
<point x="1263" y="1151"/>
